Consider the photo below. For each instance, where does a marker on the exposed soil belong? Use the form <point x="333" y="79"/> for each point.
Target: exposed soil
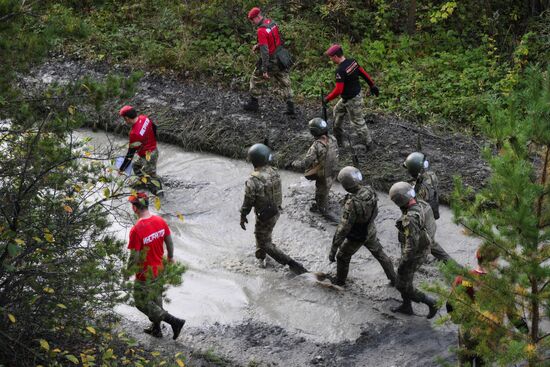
<point x="198" y="116"/>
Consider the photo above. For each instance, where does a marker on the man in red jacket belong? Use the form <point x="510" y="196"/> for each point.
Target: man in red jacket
<point x="143" y="141"/>
<point x="268" y="67"/>
<point x="348" y="88"/>
<point x="147" y="239"/>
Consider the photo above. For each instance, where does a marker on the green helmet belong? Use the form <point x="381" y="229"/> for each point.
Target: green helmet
<point x="414" y="163"/>
<point x="318" y="126"/>
<point x="259" y="155"/>
<point x="401" y="193"/>
<point x="350" y="178"/>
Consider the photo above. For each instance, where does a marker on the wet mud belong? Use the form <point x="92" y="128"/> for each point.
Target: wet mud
<point x="241" y="315"/>
<point x="202" y="116"/>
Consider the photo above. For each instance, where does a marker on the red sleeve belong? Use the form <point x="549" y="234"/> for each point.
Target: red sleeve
<point x="262" y="37"/>
<point x="366" y="76"/>
<point x="457" y="282"/>
<point x="135" y="242"/>
<point x="338" y="89"/>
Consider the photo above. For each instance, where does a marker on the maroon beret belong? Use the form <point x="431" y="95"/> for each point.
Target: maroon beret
<point x="253" y="12"/>
<point x="333" y="49"/>
<point x="124" y="110"/>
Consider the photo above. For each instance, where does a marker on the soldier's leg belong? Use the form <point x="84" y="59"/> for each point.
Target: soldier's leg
<point x="148" y="299"/>
<point x="340" y="113"/>
<point x="256" y="83"/>
<point x="439" y="253"/>
<point x="343" y="258"/>
<point x="137" y="168"/>
<point x="405" y="278"/>
<point x="322" y="188"/>
<point x="264" y="244"/>
<point x="282" y="78"/>
<point x="357" y="119"/>
<point x="375" y="248"/>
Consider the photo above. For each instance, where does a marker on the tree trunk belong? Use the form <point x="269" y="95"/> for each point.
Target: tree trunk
<point x="411" y="17"/>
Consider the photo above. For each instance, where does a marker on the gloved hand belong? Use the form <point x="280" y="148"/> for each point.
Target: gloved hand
<point x="243" y="221"/>
<point x="332" y="256"/>
<point x="374" y="90"/>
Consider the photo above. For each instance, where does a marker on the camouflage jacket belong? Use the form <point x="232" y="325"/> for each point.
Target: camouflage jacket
<point x="360" y="210"/>
<point x="416" y="232"/>
<point x="426" y="189"/>
<point x="323" y="153"/>
<point x="262" y="190"/>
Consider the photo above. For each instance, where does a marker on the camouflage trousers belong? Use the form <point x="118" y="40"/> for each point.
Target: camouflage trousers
<point x="281" y="78"/>
<point x="148" y="299"/>
<point x="353" y="109"/>
<point x="349" y="248"/>
<point x="264" y="244"/>
<point x="466" y="355"/>
<point x="322" y="190"/>
<point x="405" y="278"/>
<point x="148" y="169"/>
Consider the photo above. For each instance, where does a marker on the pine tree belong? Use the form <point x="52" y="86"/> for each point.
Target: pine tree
<point x="511" y="215"/>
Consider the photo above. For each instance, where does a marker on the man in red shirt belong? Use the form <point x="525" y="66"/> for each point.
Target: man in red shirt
<point x="348" y="88"/>
<point x="147" y="237"/>
<point x="143" y="141"/>
<point x="268" y="67"/>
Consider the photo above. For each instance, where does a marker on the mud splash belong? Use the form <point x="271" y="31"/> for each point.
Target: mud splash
<point x="268" y="317"/>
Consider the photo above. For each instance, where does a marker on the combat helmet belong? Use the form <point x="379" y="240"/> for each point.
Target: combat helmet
<point x="318" y="127"/>
<point x="401" y="193"/>
<point x="350" y="178"/>
<point x="414" y="163"/>
<point x="259" y="155"/>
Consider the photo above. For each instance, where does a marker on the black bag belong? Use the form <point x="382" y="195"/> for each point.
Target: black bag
<point x="267" y="213"/>
<point x="284" y="58"/>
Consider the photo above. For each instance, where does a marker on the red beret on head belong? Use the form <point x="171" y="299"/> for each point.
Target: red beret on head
<point x="135" y="198"/>
<point x="124" y="110"/>
<point x="253" y="12"/>
<point x="333" y="49"/>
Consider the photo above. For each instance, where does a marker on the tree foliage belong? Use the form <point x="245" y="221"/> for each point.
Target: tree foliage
<point x="512" y="216"/>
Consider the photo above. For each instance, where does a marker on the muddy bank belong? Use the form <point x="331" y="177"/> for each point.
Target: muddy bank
<point x="199" y="116"/>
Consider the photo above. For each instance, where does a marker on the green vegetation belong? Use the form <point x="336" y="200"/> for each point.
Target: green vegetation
<point x="512" y="217"/>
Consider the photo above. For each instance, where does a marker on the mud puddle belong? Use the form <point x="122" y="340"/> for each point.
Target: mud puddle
<point x="253" y="316"/>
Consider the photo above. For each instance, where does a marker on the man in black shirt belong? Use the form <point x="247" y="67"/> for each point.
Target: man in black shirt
<point x="349" y="88"/>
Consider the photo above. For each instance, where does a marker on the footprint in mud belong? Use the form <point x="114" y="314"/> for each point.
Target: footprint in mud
<point x="173" y="182"/>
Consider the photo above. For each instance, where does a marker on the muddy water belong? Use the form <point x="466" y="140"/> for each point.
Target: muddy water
<point x="223" y="285"/>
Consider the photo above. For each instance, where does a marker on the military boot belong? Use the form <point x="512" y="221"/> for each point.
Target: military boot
<point x="342" y="269"/>
<point x="404" y="308"/>
<point x="290" y="108"/>
<point x="154" y="330"/>
<point x="296" y="267"/>
<point x="177" y="324"/>
<point x="432" y="304"/>
<point x="251" y="105"/>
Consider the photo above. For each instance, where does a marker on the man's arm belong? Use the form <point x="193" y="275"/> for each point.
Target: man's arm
<point x="338" y="89"/>
<point x="373" y="88"/>
<point x="248" y="201"/>
<point x="127" y="159"/>
<point x="133" y="262"/>
<point x="264" y="49"/>
<point x="169" y="247"/>
<point x="346" y="222"/>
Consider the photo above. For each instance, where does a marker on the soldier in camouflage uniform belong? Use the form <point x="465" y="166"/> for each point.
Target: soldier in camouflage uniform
<point x="263" y="193"/>
<point x="425" y="187"/>
<point x="320" y="163"/>
<point x="357" y="227"/>
<point x="416" y="234"/>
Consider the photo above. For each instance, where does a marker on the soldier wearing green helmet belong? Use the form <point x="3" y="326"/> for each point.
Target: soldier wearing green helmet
<point x="320" y="163"/>
<point x="263" y="193"/>
<point x="425" y="186"/>
<point x="416" y="235"/>
<point x="357" y="226"/>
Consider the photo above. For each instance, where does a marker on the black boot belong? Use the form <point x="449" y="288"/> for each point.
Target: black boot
<point x="342" y="269"/>
<point x="432" y="304"/>
<point x="296" y="267"/>
<point x="177" y="324"/>
<point x="290" y="108"/>
<point x="251" y="105"/>
<point x="404" y="308"/>
<point x="154" y="330"/>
